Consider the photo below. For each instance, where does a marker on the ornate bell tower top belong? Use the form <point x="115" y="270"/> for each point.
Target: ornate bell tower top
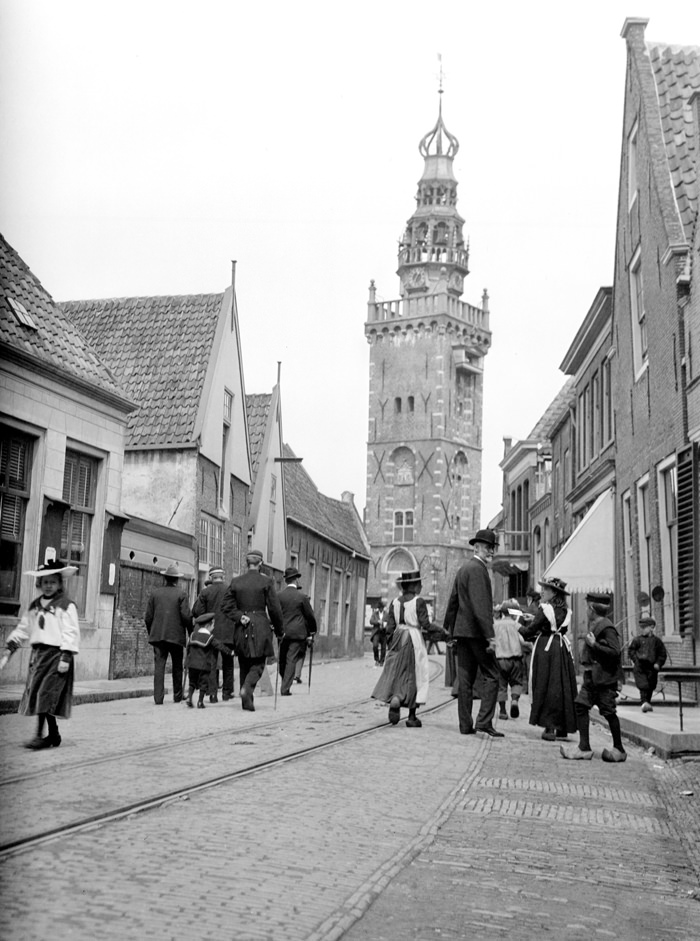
<point x="432" y="252"/>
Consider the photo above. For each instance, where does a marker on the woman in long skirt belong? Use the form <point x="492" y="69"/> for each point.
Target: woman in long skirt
<point x="552" y="672"/>
<point x="404" y="679"/>
<point x="50" y="624"/>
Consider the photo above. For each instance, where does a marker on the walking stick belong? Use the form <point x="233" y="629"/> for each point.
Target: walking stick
<point x="277" y="675"/>
<point x="311" y="660"/>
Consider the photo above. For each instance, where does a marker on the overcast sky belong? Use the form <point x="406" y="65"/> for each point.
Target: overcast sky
<point x="146" y="144"/>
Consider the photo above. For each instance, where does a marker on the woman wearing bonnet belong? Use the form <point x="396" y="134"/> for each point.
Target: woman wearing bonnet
<point x="552" y="673"/>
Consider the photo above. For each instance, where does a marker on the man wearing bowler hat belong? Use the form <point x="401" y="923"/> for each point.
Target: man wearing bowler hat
<point x="168" y="620"/>
<point x="600" y="660"/>
<point x="469" y="622"/>
<point x="252" y="603"/>
<point x="299" y="627"/>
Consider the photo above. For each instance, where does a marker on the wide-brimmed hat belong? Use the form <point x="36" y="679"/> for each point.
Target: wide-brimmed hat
<point x="406" y="578"/>
<point x="291" y="572"/>
<point x="556" y="584"/>
<point x="485" y="535"/>
<point x="172" y="571"/>
<point x="215" y="571"/>
<point x="55" y="567"/>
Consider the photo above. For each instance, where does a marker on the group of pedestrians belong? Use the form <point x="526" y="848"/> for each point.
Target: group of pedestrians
<point x="494" y="643"/>
<point x="241" y="619"/>
<point x="238" y="620"/>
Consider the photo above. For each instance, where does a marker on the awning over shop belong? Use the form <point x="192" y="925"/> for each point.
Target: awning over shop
<point x="505" y="567"/>
<point x="586" y="562"/>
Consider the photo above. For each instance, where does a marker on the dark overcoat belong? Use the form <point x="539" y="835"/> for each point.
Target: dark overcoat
<point x="168" y="616"/>
<point x="254" y="596"/>
<point x="603" y="658"/>
<point x="208" y="602"/>
<point x="298" y="615"/>
<point x="470" y="608"/>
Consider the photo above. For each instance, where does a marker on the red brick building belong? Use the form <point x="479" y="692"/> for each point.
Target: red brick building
<point x="658" y="530"/>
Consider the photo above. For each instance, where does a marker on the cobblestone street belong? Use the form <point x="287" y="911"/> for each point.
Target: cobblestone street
<point x="401" y="834"/>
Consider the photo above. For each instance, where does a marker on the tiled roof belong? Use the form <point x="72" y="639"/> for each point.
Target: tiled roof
<point x="257" y="409"/>
<point x="677" y="75"/>
<point x="159" y="349"/>
<point x="335" y="519"/>
<point x="56" y="339"/>
<point x="557" y="407"/>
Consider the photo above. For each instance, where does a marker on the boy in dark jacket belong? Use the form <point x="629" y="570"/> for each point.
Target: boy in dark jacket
<point x="600" y="660"/>
<point x="648" y="654"/>
<point x="202" y="649"/>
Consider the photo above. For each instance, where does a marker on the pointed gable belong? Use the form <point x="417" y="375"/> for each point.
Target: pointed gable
<point x="159" y="348"/>
<point x="257" y="410"/>
<point x="48" y="335"/>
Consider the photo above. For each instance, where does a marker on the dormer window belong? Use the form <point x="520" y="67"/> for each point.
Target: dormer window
<point x="228" y="406"/>
<point x="21" y="313"/>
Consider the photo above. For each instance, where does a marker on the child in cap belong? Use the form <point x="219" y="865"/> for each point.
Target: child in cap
<point x="51" y="626"/>
<point x="510" y="647"/>
<point x="200" y="659"/>
<point x="648" y="654"/>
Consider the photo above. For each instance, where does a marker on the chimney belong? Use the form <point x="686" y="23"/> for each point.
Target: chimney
<point x="507" y="445"/>
<point x="347" y="496"/>
<point x="633" y="28"/>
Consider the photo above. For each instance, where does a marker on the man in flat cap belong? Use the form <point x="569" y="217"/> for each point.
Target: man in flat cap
<point x="299" y="627"/>
<point x="168" y="621"/>
<point x="251" y="602"/>
<point x="207" y="608"/>
<point x="469" y="622"/>
<point x="600" y="660"/>
<point x="648" y="654"/>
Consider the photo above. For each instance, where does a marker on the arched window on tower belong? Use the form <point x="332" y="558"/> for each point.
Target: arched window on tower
<point x="411" y="404"/>
<point x="397" y="405"/>
<point x="440" y="234"/>
<point x="404" y="466"/>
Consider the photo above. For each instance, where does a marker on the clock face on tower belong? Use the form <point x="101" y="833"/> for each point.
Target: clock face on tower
<point x="417" y="278"/>
<point x="456" y="281"/>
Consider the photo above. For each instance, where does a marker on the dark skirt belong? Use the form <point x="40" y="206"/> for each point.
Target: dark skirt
<point x="47" y="690"/>
<point x="553" y="689"/>
<point x="399" y="673"/>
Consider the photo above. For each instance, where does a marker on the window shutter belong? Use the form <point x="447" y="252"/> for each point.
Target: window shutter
<point x="687" y="535"/>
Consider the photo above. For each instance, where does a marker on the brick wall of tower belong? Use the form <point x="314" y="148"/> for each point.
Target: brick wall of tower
<point x="424" y="450"/>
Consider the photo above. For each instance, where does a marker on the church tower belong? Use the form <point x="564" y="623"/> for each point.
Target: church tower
<point x="427" y="354"/>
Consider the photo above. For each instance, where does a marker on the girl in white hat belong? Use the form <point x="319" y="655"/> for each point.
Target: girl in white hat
<point x="50" y="625"/>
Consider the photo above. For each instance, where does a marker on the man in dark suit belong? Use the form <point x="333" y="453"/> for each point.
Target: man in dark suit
<point x="206" y="608"/>
<point x="299" y="627"/>
<point x="168" y="620"/>
<point x="251" y="602"/>
<point x="469" y="622"/>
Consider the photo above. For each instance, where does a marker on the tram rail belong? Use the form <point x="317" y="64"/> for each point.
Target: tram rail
<point x="118" y="811"/>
